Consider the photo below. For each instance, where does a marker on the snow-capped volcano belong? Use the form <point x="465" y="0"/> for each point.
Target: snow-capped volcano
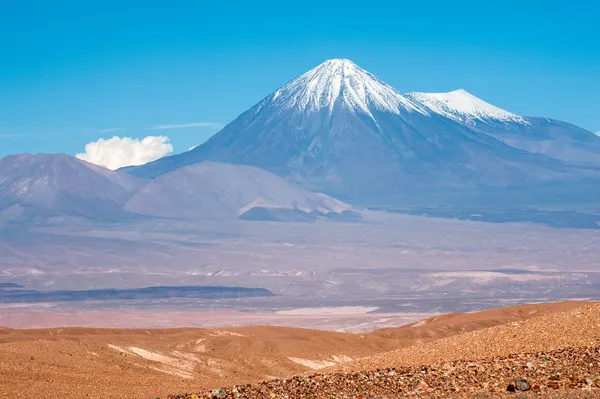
<point x="340" y="82"/>
<point x="339" y="129"/>
<point x="464" y="107"/>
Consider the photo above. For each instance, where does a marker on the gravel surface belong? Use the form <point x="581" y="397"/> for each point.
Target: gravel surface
<point x="572" y="328"/>
<point x="540" y="372"/>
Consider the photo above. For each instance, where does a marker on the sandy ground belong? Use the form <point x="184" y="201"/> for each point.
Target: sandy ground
<point x="145" y="363"/>
<point x="573" y="328"/>
<point x="551" y="355"/>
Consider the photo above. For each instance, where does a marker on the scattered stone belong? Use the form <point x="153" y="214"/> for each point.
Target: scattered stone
<point x="570" y="368"/>
<point x="522" y="385"/>
<point x="531" y="366"/>
<point x="518" y="385"/>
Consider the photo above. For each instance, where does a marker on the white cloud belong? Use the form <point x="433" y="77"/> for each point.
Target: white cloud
<point x="117" y="152"/>
<point x="216" y="125"/>
<point x="192" y="147"/>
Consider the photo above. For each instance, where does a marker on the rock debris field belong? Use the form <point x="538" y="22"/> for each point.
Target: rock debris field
<point x="551" y="356"/>
<point x="570" y="368"/>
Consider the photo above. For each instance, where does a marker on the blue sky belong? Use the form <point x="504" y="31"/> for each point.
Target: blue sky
<point x="72" y="72"/>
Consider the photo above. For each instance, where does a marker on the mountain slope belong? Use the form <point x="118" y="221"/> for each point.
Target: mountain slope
<point x="218" y="191"/>
<point x="552" y="138"/>
<point x="58" y="184"/>
<point x="338" y="129"/>
<point x="555" y="139"/>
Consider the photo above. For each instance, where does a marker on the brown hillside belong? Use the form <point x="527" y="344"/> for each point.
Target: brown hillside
<point x="124" y="363"/>
<point x="577" y="327"/>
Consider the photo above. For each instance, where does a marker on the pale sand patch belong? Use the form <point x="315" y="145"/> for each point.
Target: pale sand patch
<point x="188" y="356"/>
<point x="319" y="364"/>
<point x="200" y="346"/>
<point x="226" y="333"/>
<point x="118" y="348"/>
<point x="180" y="367"/>
<point x="340" y="310"/>
<point x="341" y="358"/>
<point x="168" y="360"/>
<point x="313" y="364"/>
<point x="173" y="371"/>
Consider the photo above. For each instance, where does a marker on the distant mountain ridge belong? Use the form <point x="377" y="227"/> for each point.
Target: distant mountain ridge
<point x="209" y="190"/>
<point x="58" y="185"/>
<point x="341" y="130"/>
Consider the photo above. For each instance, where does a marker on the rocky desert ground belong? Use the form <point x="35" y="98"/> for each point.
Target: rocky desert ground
<point x="543" y="349"/>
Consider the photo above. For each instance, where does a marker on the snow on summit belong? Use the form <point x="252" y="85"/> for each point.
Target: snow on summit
<point x="464" y="107"/>
<point x="341" y="81"/>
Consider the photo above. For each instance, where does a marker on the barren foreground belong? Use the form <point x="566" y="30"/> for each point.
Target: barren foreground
<point x="571" y="368"/>
<point x="546" y="353"/>
<point x="117" y="363"/>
